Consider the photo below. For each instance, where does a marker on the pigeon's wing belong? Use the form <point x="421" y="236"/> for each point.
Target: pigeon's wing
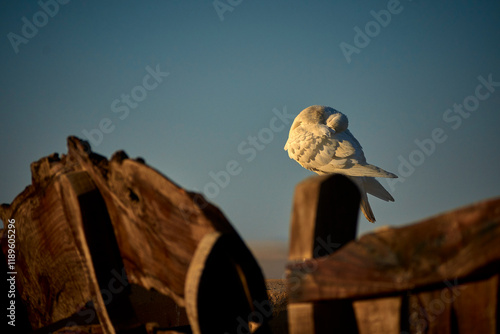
<point x="323" y="151"/>
<point x="353" y="161"/>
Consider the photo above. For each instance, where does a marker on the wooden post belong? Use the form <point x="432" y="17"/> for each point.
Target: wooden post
<point x="324" y="218"/>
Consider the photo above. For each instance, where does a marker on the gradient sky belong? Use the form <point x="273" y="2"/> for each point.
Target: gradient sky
<point x="229" y="75"/>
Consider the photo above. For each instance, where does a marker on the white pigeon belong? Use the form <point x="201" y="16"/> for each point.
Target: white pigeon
<point x="320" y="142"/>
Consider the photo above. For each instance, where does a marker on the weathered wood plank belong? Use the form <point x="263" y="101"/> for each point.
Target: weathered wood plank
<point x="430" y="311"/>
<point x="324" y="218"/>
<point x="301" y="318"/>
<point x="476" y="306"/>
<point x="378" y="316"/>
<point x="453" y="245"/>
<point x="86" y="215"/>
<point x="47" y="261"/>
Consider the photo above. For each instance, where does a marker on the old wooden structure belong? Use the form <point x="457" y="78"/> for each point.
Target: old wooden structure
<point x="113" y="246"/>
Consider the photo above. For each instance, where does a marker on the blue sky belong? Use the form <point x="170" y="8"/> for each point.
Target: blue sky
<point x="231" y="73"/>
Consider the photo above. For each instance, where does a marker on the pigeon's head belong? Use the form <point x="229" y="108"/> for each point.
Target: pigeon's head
<point x="321" y="117"/>
<point x="328" y="116"/>
<point x="315" y="114"/>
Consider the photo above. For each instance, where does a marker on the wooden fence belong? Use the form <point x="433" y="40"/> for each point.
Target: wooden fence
<point x="440" y="275"/>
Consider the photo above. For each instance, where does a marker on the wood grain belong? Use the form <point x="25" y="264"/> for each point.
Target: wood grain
<point x="154" y="225"/>
<point x="458" y="244"/>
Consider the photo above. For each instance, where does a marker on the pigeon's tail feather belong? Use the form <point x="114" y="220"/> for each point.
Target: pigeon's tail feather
<point x="366" y="209"/>
<point x="373" y="187"/>
<point x="364" y="204"/>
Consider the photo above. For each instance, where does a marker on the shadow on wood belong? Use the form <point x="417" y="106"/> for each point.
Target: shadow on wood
<point x="104" y="252"/>
<point x="225" y="289"/>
